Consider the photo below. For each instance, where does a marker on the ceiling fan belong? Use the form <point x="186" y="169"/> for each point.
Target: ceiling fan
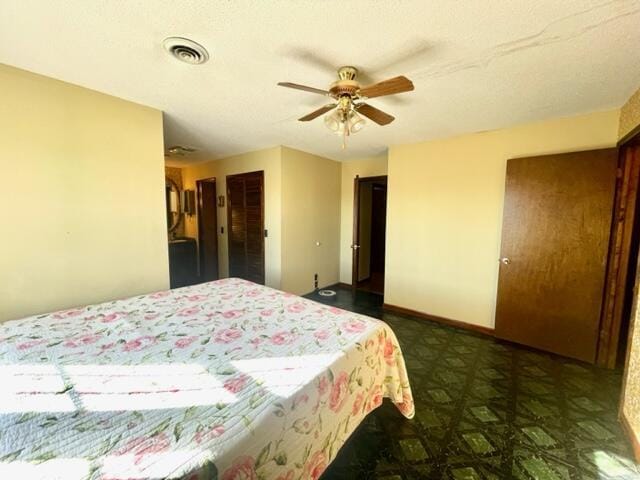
<point x="348" y="104"/>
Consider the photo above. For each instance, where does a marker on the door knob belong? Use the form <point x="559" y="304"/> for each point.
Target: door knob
<point x="355" y="247"/>
<point x="505" y="260"/>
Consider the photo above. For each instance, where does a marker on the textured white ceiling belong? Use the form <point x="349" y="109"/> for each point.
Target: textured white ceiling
<point x="476" y="64"/>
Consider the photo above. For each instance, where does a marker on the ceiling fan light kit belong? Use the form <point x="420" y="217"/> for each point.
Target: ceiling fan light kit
<point x="346" y="119"/>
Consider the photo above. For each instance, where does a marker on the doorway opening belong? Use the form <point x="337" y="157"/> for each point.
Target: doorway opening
<point x="623" y="258"/>
<point x="207" y="230"/>
<point x="620" y="324"/>
<point x="369" y="234"/>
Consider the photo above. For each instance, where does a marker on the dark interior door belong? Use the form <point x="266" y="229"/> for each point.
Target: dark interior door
<point x="555" y="238"/>
<point x="207" y="230"/>
<point x="245" y="211"/>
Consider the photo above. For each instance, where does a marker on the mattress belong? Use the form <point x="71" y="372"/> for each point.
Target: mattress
<point x="226" y="379"/>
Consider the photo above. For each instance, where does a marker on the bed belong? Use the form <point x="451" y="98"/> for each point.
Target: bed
<point x="226" y="379"/>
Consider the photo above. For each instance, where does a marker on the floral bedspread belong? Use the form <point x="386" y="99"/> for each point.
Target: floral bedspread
<point x="226" y="379"/>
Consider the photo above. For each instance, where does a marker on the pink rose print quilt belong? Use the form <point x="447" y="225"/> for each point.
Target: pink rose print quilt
<point x="226" y="379"/>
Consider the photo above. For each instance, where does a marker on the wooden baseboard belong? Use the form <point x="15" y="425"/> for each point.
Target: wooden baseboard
<point x="442" y="320"/>
<point x="344" y="285"/>
<point x="633" y="439"/>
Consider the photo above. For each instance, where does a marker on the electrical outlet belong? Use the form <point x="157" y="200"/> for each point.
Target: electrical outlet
<point x="315" y="280"/>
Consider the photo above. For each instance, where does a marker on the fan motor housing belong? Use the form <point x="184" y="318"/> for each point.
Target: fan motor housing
<point x="344" y="87"/>
<point x="347" y="73"/>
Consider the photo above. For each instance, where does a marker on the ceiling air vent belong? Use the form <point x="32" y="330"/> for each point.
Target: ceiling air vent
<point x="186" y="50"/>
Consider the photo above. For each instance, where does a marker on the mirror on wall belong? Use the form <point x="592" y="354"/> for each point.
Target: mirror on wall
<point x="172" y="197"/>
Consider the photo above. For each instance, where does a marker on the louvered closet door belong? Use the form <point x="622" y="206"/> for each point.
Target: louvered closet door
<point x="245" y="209"/>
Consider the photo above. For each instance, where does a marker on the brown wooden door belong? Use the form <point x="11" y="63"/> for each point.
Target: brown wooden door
<point x="207" y="230"/>
<point x="555" y="238"/>
<point x="245" y="225"/>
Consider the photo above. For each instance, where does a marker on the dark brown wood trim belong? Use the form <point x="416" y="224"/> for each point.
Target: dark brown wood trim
<point x="633" y="138"/>
<point x="442" y="320"/>
<point x="620" y="252"/>
<point x="344" y="285"/>
<point x="633" y="439"/>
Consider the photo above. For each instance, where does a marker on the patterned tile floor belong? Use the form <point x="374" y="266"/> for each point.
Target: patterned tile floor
<point x="486" y="409"/>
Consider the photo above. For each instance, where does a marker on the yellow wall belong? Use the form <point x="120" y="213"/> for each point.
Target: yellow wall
<point x="310" y="215"/>
<point x="444" y="213"/>
<point x="83" y="196"/>
<point x="302" y="194"/>
<point x="364" y="167"/>
<point x="269" y="161"/>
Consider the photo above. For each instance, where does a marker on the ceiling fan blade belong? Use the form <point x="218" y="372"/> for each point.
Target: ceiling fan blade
<point x="317" y="113"/>
<point x="374" y="114"/>
<point x="303" y="87"/>
<point x="387" y="87"/>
